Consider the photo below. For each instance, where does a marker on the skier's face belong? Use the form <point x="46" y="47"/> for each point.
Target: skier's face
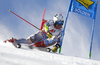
<point x="58" y="26"/>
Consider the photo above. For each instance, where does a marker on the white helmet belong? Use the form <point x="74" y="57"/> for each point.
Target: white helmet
<point x="58" y="19"/>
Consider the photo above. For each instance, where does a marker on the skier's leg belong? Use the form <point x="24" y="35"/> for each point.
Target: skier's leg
<point x="20" y="41"/>
<point x="49" y="42"/>
<point x="46" y="42"/>
<point x="17" y="41"/>
<point x="38" y="40"/>
<point x="30" y="40"/>
<point x="34" y="38"/>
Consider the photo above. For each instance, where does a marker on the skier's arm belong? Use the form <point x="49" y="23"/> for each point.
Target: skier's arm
<point x="47" y="25"/>
<point x="59" y="38"/>
<point x="46" y="28"/>
<point x="54" y="39"/>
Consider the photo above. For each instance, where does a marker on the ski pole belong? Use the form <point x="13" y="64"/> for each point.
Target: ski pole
<point x="26" y="21"/>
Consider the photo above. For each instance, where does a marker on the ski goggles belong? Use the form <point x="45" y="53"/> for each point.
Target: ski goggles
<point x="59" y="22"/>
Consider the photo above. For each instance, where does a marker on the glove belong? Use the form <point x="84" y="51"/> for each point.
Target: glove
<point x="49" y="35"/>
<point x="46" y="27"/>
<point x="55" y="48"/>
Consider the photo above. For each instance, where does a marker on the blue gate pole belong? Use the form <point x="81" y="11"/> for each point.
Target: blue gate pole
<point x="65" y="24"/>
<point x="93" y="30"/>
<point x="92" y="39"/>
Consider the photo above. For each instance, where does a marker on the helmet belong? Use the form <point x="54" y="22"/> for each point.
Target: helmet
<point x="58" y="19"/>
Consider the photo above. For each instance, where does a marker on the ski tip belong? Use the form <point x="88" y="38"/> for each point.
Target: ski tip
<point x="8" y="9"/>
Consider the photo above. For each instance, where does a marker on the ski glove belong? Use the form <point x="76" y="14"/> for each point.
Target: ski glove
<point x="55" y="48"/>
<point x="49" y="35"/>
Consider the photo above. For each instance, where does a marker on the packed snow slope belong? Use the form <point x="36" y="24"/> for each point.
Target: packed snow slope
<point x="10" y="55"/>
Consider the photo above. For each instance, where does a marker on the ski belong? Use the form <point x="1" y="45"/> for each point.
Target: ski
<point x="40" y="48"/>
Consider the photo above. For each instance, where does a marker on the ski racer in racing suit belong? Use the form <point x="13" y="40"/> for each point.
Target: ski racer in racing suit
<point x="54" y="31"/>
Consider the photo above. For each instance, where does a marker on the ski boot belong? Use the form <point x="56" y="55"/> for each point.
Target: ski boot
<point x="13" y="42"/>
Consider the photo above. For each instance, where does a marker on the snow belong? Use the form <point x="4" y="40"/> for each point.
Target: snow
<point x="9" y="55"/>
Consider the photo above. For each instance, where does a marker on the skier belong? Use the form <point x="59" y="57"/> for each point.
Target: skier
<point x="54" y="31"/>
